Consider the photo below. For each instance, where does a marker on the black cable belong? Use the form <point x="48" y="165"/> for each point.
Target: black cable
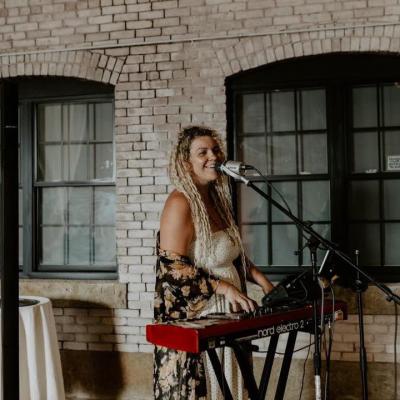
<point x="328" y="350"/>
<point x="282" y="354"/>
<point x="396" y="320"/>
<point x="304" y="368"/>
<point x="273" y="188"/>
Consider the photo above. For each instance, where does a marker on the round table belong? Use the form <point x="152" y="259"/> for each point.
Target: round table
<point x="40" y="373"/>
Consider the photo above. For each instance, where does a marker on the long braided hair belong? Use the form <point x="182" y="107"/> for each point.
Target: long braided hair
<point x="219" y="191"/>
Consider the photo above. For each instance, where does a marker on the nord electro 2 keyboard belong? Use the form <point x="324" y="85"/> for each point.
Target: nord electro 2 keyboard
<point x="236" y="331"/>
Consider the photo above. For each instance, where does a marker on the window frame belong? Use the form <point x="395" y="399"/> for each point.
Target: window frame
<point x="42" y="91"/>
<point x="337" y="73"/>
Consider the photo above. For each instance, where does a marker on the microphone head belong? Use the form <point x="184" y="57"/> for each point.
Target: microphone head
<point x="218" y="167"/>
<point x="234" y="166"/>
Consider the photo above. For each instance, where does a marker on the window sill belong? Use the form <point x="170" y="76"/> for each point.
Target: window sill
<point x="77" y="293"/>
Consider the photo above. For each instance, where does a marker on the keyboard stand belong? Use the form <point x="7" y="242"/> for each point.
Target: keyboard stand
<point x="241" y="350"/>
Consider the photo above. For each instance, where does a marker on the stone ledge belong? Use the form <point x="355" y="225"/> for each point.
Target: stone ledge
<point x="75" y="293"/>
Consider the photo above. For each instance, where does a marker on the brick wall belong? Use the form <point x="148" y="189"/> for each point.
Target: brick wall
<point x="168" y="61"/>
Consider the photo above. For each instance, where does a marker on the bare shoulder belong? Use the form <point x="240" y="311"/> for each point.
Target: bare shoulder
<point x="176" y="200"/>
<point x="176" y="226"/>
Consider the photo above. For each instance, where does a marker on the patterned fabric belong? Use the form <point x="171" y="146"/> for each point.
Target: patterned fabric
<point x="181" y="292"/>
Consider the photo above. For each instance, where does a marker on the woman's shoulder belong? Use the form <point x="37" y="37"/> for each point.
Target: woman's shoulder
<point x="176" y="226"/>
<point x="177" y="207"/>
<point x="177" y="201"/>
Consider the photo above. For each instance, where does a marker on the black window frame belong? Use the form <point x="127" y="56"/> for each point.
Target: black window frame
<point x="33" y="91"/>
<point x="336" y="72"/>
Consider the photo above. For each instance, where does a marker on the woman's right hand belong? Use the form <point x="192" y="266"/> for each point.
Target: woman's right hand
<point x="237" y="300"/>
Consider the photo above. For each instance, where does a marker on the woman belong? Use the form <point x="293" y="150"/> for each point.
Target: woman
<point x="199" y="241"/>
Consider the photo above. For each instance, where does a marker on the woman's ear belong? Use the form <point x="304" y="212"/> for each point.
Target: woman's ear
<point x="188" y="166"/>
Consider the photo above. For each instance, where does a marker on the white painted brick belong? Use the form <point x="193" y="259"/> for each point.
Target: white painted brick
<point x="74" y="328"/>
<point x="100" y="347"/>
<point x="146" y="348"/>
<point x="74" y="346"/>
<point x="114" y="321"/>
<point x="129" y="348"/>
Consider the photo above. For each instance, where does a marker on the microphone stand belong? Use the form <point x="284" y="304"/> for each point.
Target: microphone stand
<point x="313" y="243"/>
<point x="360" y="287"/>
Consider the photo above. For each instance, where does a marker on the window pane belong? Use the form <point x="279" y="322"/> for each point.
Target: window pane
<point x="316" y="201"/>
<point x="52" y="245"/>
<point x="392" y="199"/>
<point x="366" y="238"/>
<point x="392" y="151"/>
<point x="104" y="245"/>
<point x="104" y="121"/>
<point x="364" y="107"/>
<point x="255" y="242"/>
<point x="253" y="113"/>
<point x="252" y="150"/>
<point x="78" y="119"/>
<point x="284" y="244"/>
<point x="314" y="154"/>
<point x="80" y="150"/>
<point x="288" y="190"/>
<point x="391" y="101"/>
<point x="392" y="248"/>
<point x="79" y="206"/>
<point x="252" y="207"/>
<point x="49" y="163"/>
<point x="284" y="155"/>
<point x="313" y="109"/>
<point x="365" y="152"/>
<point x="53" y="206"/>
<point x="283" y="116"/>
<point x="78" y="245"/>
<point x="364" y="200"/>
<point x="104" y="161"/>
<point x="49" y="122"/>
<point x="325" y="231"/>
<point x="76" y="162"/>
<point x="104" y="207"/>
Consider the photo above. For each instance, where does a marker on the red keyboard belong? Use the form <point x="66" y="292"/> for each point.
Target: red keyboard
<point x="207" y="333"/>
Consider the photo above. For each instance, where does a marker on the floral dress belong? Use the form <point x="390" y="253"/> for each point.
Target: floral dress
<point x="181" y="292"/>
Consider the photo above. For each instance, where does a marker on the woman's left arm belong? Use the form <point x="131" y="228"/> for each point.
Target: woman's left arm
<point x="256" y="276"/>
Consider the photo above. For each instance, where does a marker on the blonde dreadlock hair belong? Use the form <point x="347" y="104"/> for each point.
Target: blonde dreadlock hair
<point x="219" y="191"/>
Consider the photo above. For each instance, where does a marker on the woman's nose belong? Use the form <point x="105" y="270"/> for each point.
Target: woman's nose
<point x="212" y="156"/>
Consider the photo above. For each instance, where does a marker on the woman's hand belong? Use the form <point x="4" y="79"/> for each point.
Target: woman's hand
<point x="238" y="300"/>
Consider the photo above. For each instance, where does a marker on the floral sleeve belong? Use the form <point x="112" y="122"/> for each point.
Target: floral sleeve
<point x="182" y="289"/>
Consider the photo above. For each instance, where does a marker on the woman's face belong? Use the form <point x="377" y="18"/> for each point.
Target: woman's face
<point x="204" y="154"/>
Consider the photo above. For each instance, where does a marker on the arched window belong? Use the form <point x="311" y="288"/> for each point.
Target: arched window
<point x="67" y="178"/>
<point x="325" y="130"/>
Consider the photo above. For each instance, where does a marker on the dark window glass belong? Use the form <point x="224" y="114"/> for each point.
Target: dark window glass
<point x="288" y="144"/>
<point x="75" y="156"/>
<point x="67" y="183"/>
<point x="326" y="133"/>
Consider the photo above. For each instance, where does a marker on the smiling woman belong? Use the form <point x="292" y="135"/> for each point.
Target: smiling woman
<point x="196" y="275"/>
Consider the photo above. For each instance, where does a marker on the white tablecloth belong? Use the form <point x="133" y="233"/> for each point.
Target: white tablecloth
<point x="40" y="373"/>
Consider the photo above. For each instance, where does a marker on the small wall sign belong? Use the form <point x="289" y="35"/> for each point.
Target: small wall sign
<point x="393" y="163"/>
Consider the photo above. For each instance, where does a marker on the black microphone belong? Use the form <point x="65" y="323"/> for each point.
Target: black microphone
<point x="236" y="167"/>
